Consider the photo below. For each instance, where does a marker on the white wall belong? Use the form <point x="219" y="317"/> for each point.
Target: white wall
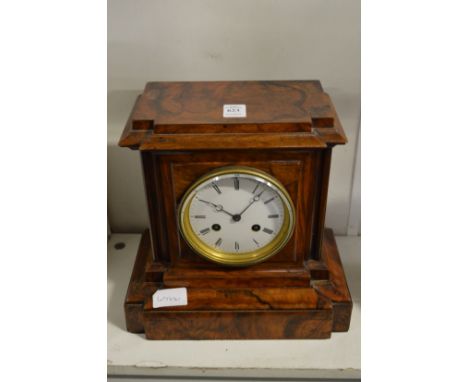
<point x="229" y="40"/>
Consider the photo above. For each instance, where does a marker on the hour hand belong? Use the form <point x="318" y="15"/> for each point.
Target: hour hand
<point x="218" y="207"/>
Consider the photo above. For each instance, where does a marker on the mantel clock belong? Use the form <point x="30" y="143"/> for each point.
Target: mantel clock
<point x="236" y="178"/>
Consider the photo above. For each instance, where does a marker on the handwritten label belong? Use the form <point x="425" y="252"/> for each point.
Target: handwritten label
<point x="235" y="111"/>
<point x="170" y="297"/>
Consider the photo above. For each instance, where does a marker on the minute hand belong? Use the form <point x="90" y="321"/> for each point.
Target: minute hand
<point x="254" y="199"/>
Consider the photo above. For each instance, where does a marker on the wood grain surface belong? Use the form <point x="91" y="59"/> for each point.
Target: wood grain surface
<point x="172" y="115"/>
<point x="289" y="132"/>
<point x="304" y="174"/>
<point x="233" y="312"/>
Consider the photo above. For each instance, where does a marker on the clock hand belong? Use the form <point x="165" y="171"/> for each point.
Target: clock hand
<point x="252" y="201"/>
<point x="218" y="207"/>
<point x="245" y="209"/>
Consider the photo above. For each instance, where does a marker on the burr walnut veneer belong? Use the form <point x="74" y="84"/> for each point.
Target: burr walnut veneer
<point x="288" y="132"/>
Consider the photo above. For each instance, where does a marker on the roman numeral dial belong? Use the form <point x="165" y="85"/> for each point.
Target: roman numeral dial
<point x="236" y="216"/>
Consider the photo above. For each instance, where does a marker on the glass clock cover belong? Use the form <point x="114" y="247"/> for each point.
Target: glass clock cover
<point x="236" y="216"/>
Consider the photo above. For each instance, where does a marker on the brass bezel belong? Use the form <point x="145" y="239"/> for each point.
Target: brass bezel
<point x="237" y="259"/>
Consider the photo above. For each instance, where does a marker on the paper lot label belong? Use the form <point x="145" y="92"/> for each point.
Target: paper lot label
<point x="234" y="111"/>
<point x="170" y="297"/>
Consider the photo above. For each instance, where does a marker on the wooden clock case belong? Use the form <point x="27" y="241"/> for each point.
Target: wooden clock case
<point x="289" y="132"/>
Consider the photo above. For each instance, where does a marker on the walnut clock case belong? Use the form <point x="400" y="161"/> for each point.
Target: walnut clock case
<point x="236" y="178"/>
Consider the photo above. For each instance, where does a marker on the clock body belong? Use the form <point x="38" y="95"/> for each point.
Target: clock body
<point x="237" y="208"/>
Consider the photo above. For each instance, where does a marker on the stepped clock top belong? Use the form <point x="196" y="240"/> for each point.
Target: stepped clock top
<point x="195" y="115"/>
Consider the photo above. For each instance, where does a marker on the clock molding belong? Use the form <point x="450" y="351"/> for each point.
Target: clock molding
<point x="288" y="132"/>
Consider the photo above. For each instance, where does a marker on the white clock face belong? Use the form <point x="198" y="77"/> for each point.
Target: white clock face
<point x="237" y="213"/>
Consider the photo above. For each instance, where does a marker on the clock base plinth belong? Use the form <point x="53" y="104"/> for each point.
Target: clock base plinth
<point x="278" y="312"/>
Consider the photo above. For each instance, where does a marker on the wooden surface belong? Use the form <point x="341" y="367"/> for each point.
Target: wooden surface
<point x="192" y="105"/>
<point x="303" y="173"/>
<point x="232" y="312"/>
<point x="294" y="114"/>
<point x="172" y="160"/>
<point x="132" y="354"/>
<point x="288" y="132"/>
<point x="238" y="325"/>
<point x="259" y="277"/>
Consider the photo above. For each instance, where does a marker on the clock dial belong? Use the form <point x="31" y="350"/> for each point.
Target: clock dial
<point x="237" y="216"/>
